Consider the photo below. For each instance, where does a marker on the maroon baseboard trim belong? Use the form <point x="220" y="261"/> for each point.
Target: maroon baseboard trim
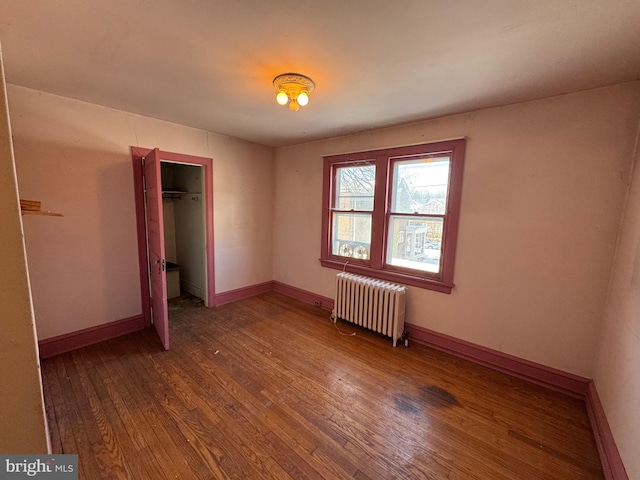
<point x="503" y="362"/>
<point x="242" y="293"/>
<point x="609" y="456"/>
<point x="50" y="347"/>
<point x="518" y="367"/>
<point x="303" y="295"/>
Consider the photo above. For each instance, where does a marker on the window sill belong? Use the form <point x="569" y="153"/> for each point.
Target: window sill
<point x="413" y="280"/>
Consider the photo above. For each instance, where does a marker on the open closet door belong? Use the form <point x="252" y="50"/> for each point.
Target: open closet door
<point x="155" y="229"/>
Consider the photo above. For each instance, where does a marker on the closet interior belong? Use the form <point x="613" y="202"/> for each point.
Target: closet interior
<point x="184" y="229"/>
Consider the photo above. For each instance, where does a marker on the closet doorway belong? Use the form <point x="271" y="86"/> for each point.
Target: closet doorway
<point x="174" y="214"/>
<point x="184" y="239"/>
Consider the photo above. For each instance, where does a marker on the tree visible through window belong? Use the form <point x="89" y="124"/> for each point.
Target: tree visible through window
<point x="353" y="208"/>
<point x="393" y="213"/>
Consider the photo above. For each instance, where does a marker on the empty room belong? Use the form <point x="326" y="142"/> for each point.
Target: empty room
<point x="320" y="240"/>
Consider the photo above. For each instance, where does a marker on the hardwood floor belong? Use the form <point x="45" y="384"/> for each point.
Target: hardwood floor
<point x="268" y="388"/>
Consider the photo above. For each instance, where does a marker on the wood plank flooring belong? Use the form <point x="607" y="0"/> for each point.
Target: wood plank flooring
<point x="268" y="388"/>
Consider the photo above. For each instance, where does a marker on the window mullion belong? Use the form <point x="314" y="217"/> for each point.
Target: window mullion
<point x="378" y="220"/>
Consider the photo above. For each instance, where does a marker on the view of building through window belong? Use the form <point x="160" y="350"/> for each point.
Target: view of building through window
<point x="419" y="195"/>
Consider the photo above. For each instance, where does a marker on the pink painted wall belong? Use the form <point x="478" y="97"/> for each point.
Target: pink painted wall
<point x="617" y="371"/>
<point x="22" y="420"/>
<point x="75" y="157"/>
<point x="542" y="198"/>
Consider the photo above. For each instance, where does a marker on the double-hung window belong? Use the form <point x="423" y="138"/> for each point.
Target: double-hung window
<point x="393" y="213"/>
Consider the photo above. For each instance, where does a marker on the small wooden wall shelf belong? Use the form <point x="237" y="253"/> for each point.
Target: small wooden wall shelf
<point x="34" y="207"/>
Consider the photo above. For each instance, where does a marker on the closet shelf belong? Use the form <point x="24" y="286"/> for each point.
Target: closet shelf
<point x="171" y="193"/>
<point x="181" y="192"/>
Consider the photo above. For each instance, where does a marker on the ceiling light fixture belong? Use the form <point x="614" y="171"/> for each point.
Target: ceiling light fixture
<point x="293" y="89"/>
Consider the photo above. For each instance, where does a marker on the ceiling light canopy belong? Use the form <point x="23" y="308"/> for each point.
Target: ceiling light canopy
<point x="293" y="89"/>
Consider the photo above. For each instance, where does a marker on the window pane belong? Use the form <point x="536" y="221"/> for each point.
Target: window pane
<point x="420" y="185"/>
<point x="415" y="243"/>
<point x="351" y="235"/>
<point x="355" y="187"/>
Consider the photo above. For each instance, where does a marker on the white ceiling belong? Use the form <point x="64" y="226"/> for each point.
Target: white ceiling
<point x="209" y="63"/>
